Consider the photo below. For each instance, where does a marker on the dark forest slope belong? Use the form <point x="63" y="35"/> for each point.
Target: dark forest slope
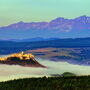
<point x="51" y="83"/>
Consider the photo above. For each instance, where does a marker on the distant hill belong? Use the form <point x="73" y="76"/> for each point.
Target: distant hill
<point x="76" y="51"/>
<point x="68" y="74"/>
<point x="31" y="39"/>
<point x="58" y="28"/>
<point x="70" y="42"/>
<point x="65" y="74"/>
<point x="7" y="47"/>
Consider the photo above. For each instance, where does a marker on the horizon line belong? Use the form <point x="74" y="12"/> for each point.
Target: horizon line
<point x="44" y="21"/>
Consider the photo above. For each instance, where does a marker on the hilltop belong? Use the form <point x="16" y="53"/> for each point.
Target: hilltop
<point x="21" y="59"/>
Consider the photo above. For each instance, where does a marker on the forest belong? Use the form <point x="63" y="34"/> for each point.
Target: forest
<point x="48" y="83"/>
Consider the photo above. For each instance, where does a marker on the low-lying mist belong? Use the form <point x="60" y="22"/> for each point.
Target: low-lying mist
<point x="8" y="72"/>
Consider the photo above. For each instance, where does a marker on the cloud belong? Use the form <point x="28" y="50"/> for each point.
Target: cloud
<point x="9" y="72"/>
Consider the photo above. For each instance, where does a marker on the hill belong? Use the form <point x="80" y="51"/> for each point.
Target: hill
<point x="50" y="83"/>
<point x="21" y="59"/>
<point x="75" y="51"/>
<point x="7" y="47"/>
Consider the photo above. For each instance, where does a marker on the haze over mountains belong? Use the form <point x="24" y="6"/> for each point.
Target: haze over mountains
<point x="58" y="28"/>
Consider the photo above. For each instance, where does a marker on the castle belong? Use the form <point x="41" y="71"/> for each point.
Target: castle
<point x="21" y="55"/>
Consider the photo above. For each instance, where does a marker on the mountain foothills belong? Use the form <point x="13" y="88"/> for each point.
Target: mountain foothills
<point x="60" y="27"/>
<point x="76" y="51"/>
<point x="21" y="59"/>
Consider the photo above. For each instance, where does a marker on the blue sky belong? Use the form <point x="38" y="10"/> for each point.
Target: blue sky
<point x="12" y="11"/>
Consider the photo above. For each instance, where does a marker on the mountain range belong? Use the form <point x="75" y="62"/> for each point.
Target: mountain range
<point x="58" y="28"/>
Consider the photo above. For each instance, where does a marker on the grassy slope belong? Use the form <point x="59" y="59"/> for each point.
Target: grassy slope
<point x="51" y="83"/>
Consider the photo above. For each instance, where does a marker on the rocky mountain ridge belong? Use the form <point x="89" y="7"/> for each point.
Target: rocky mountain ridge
<point x="59" y="27"/>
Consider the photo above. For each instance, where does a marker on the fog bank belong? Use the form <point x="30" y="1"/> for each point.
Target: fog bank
<point x="8" y="72"/>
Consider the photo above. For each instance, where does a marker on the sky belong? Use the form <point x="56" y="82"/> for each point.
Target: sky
<point x="12" y="11"/>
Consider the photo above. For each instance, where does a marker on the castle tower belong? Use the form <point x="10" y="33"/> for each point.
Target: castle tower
<point x="22" y="53"/>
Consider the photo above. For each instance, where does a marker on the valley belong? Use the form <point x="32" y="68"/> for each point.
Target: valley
<point x="74" y="51"/>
